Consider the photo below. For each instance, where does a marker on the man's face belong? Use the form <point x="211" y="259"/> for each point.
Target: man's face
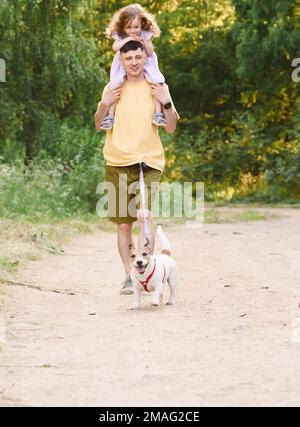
<point x="134" y="61"/>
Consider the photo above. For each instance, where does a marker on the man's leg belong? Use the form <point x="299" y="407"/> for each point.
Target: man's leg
<point x="124" y="225"/>
<point x="124" y="239"/>
<point x="125" y="228"/>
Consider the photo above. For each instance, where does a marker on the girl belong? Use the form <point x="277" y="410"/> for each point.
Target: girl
<point x="134" y="23"/>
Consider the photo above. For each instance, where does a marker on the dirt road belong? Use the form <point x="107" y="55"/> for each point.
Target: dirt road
<point x="226" y="342"/>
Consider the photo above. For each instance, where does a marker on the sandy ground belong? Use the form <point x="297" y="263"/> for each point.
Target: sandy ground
<point x="226" y="342"/>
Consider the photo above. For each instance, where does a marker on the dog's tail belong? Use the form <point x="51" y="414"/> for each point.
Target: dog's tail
<point x="166" y="247"/>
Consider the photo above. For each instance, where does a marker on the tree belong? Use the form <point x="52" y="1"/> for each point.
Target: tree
<point x="52" y="70"/>
<point x="267" y="35"/>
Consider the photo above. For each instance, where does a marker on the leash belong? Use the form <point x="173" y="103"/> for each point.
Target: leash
<point x="142" y="198"/>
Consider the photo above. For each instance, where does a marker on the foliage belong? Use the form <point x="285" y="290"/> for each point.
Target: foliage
<point x="52" y="69"/>
<point x="54" y="188"/>
<point x="227" y="63"/>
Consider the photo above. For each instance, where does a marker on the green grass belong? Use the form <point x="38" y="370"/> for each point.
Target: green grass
<point x="254" y="205"/>
<point x="250" y="216"/>
<point x="22" y="240"/>
<point x="218" y="216"/>
<point x="226" y="215"/>
<point x="45" y="206"/>
<point x="9" y="263"/>
<point x="49" y="190"/>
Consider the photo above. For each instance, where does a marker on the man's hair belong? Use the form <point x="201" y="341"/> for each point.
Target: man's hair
<point x="132" y="45"/>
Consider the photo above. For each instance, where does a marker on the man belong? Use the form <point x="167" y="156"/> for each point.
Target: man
<point x="134" y="140"/>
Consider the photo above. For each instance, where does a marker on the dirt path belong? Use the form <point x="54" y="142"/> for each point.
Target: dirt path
<point x="226" y="342"/>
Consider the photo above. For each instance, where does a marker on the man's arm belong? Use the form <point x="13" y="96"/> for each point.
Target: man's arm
<point x="171" y="118"/>
<point x="162" y="94"/>
<point x="109" y="97"/>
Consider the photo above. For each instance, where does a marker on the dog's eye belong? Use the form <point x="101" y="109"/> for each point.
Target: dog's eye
<point x="132" y="256"/>
<point x="144" y="254"/>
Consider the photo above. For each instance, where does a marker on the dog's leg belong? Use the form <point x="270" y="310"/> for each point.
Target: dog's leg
<point x="157" y="294"/>
<point x="161" y="298"/>
<point x="172" y="282"/>
<point x="137" y="294"/>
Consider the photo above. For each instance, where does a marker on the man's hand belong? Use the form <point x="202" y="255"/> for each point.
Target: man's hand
<point x="111" y="96"/>
<point x="160" y="92"/>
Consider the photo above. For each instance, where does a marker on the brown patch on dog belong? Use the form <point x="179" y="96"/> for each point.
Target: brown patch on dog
<point x="166" y="252"/>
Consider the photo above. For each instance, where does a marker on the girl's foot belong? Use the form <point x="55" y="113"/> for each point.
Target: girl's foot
<point x="107" y="123"/>
<point x="158" y="119"/>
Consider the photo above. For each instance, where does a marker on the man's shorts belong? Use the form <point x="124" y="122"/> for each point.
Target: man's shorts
<point x="123" y="196"/>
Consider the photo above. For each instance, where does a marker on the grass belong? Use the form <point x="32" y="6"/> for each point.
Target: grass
<point x="254" y="205"/>
<point x="227" y="215"/>
<point x="46" y="205"/>
<point x="218" y="216"/>
<point x="22" y="240"/>
<point x="9" y="263"/>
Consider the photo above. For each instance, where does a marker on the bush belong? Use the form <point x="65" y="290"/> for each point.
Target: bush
<point x="58" y="187"/>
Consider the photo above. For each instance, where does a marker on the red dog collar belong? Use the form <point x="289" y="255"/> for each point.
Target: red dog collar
<point x="144" y="283"/>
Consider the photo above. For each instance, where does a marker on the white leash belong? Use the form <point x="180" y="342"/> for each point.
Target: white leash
<point x="142" y="197"/>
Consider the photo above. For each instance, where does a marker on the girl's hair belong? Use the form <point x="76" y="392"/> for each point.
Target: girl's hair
<point x="127" y="14"/>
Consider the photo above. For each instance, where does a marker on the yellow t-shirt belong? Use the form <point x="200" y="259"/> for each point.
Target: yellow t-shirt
<point x="133" y="138"/>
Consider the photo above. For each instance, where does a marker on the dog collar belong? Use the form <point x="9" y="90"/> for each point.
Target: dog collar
<point x="144" y="283"/>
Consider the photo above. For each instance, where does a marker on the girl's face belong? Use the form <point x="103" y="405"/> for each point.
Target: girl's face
<point x="134" y="27"/>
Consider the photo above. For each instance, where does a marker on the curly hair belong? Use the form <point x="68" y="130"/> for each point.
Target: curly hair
<point x="126" y="15"/>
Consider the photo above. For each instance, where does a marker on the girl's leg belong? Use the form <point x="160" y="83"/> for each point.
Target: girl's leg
<point x="158" y="108"/>
<point x="159" y="118"/>
<point x="108" y="121"/>
<point x="112" y="110"/>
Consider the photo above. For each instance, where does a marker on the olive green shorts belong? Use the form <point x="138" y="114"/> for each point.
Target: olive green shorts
<point x="123" y="194"/>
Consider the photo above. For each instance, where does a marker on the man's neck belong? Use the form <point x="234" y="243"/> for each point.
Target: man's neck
<point x="136" y="79"/>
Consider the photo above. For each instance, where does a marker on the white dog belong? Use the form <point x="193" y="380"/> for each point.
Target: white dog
<point x="150" y="272"/>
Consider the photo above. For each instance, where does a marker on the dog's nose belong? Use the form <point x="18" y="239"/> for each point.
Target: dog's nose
<point x="139" y="262"/>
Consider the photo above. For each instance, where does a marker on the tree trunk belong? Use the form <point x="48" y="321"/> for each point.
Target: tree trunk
<point x="30" y="138"/>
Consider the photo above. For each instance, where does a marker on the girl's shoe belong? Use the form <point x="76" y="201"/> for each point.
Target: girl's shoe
<point x="158" y="119"/>
<point x="107" y="123"/>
